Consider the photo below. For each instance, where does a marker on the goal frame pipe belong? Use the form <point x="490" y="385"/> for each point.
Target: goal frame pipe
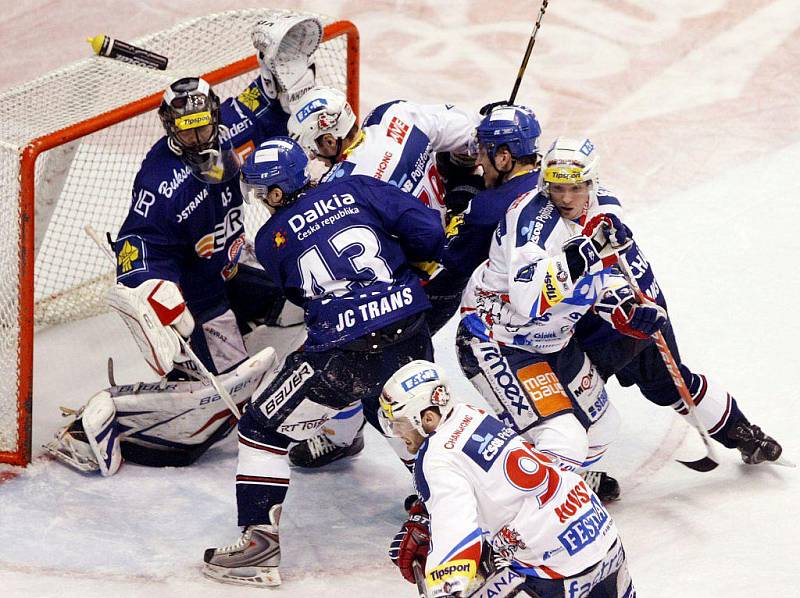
<point x="28" y="157"/>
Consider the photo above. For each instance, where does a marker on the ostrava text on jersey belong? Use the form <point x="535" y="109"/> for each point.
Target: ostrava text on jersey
<point x="398" y="138"/>
<point x="336" y="253"/>
<point x="182" y="229"/>
<point x="478" y="478"/>
<point x="523" y="295"/>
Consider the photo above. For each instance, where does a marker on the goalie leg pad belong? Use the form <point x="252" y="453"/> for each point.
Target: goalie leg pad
<point x="102" y="432"/>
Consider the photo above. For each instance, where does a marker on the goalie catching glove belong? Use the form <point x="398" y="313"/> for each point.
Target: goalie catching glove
<point x="619" y="307"/>
<point x="155" y="313"/>
<point x="412" y="542"/>
<point x="285" y="45"/>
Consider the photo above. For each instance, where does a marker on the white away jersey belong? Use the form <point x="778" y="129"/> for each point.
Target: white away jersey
<point x="478" y="478"/>
<point x="396" y="145"/>
<point x="523" y="295"/>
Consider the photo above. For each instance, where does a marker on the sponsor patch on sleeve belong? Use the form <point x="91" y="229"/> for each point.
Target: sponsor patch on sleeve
<point x="131" y="255"/>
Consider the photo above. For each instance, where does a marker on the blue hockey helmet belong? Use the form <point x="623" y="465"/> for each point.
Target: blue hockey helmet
<point x="513" y="126"/>
<point x="279" y="162"/>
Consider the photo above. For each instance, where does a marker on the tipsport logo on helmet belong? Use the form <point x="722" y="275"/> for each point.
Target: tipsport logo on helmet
<point x="310" y="108"/>
<point x="419" y="378"/>
<point x="192" y="121"/>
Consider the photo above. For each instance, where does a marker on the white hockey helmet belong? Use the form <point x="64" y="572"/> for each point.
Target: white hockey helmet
<point x="412" y="389"/>
<point x="319" y="111"/>
<point x="570" y="161"/>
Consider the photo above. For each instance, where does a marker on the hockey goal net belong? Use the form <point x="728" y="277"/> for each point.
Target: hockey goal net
<point x="71" y="143"/>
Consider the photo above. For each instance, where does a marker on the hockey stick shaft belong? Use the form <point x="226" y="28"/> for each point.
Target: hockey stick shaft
<point x="223" y="393"/>
<point x="675" y="374"/>
<point x="528" y="51"/>
<point x="419" y="577"/>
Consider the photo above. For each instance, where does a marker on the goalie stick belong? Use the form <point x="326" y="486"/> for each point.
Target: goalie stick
<point x="212" y="379"/>
<point x="710" y="461"/>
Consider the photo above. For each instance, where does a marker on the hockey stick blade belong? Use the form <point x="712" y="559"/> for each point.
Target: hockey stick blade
<point x="702" y="465"/>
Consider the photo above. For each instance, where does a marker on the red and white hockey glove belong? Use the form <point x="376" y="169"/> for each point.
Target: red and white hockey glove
<point x="412" y="542"/>
<point x="609" y="227"/>
<point x="618" y="306"/>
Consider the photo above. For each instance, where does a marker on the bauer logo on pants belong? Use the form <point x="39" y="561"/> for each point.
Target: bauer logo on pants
<point x="286" y="390"/>
<point x="544" y="389"/>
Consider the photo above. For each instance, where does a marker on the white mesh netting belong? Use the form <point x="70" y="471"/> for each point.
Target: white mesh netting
<point x="88" y="181"/>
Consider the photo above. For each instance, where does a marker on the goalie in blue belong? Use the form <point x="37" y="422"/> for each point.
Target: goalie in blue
<point x="184" y="267"/>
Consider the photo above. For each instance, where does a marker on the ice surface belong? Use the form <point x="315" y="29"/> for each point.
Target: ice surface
<point x="694" y="108"/>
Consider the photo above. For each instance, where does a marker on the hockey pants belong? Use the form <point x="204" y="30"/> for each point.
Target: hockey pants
<point x="311" y="388"/>
<point x="556" y="400"/>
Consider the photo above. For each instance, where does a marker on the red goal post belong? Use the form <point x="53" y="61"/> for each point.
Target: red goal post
<point x="70" y="144"/>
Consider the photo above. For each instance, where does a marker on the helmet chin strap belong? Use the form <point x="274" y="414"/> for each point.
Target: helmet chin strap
<point x="502" y="174"/>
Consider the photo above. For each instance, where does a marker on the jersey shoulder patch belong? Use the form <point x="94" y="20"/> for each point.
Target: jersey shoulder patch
<point x="487" y="442"/>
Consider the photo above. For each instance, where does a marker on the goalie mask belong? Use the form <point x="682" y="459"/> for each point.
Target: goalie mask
<point x="279" y="162"/>
<point x="412" y="389"/>
<point x="190" y="114"/>
<point x="570" y="162"/>
<point x="285" y="45"/>
<point x="322" y="110"/>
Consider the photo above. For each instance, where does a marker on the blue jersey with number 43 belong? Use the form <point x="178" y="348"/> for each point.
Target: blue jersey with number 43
<point x="341" y="252"/>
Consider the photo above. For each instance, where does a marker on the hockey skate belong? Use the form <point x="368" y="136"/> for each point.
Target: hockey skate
<point x="91" y="441"/>
<point x="754" y="445"/>
<point x="604" y="486"/>
<point x="251" y="561"/>
<point x="318" y="450"/>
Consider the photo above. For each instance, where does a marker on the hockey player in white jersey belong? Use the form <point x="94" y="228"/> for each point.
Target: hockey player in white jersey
<point x="396" y="143"/>
<point x="480" y="481"/>
<point x="182" y="268"/>
<point x="546" y="390"/>
<point x="551" y="283"/>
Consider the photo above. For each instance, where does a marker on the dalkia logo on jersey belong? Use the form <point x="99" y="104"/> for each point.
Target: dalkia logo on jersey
<point x="320" y="208"/>
<point x="397" y="130"/>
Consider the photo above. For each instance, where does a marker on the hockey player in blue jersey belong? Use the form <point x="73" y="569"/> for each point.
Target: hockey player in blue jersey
<point x="341" y="252"/>
<point x="397" y="143"/>
<point x="181" y="267"/>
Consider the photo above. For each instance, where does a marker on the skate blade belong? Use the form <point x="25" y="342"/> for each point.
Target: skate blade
<point x="244" y="576"/>
<point x="702" y="465"/>
<point x="781" y="462"/>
